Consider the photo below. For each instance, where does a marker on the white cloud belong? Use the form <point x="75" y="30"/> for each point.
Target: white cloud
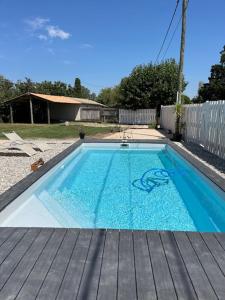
<point x="55" y="32"/>
<point x="86" y="46"/>
<point x="42" y="37"/>
<point x="43" y="29"/>
<point x="37" y="23"/>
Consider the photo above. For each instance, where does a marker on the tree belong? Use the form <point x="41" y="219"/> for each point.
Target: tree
<point x="7" y="90"/>
<point x="109" y="96"/>
<point x="222" y="57"/>
<point x="215" y="88"/>
<point x="45" y="87"/>
<point x="59" y="88"/>
<point x="26" y="86"/>
<point x="77" y="88"/>
<point x="185" y="99"/>
<point x="150" y="86"/>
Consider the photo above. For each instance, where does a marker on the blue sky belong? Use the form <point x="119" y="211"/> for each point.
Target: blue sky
<point x="101" y="41"/>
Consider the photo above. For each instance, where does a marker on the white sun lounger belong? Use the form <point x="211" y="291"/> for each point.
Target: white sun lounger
<point x="15" y="138"/>
<point x="22" y="147"/>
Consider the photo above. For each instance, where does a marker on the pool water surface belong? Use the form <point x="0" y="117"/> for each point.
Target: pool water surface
<point x="98" y="186"/>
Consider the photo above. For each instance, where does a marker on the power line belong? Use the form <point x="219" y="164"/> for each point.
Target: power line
<point x="172" y="37"/>
<point x="170" y="42"/>
<point x="167" y="32"/>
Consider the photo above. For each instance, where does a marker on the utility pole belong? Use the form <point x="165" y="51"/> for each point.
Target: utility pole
<point x="182" y="47"/>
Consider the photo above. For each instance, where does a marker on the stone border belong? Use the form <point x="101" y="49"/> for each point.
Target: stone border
<point x="15" y="191"/>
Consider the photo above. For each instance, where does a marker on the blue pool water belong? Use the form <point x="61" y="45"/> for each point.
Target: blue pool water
<point x="99" y="187"/>
<point x="132" y="189"/>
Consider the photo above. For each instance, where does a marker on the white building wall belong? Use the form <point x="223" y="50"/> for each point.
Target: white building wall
<point x="68" y="112"/>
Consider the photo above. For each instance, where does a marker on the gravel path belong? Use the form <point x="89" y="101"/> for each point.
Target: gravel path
<point x="14" y="168"/>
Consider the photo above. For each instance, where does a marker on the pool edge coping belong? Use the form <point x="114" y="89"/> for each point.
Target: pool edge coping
<point x="16" y="190"/>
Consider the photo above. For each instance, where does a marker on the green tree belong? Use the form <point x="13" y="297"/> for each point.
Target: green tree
<point x="215" y="88"/>
<point x="185" y="99"/>
<point x="59" y="88"/>
<point x="7" y="90"/>
<point x="26" y="86"/>
<point x="109" y="96"/>
<point x="77" y="88"/>
<point x="222" y="57"/>
<point x="150" y="86"/>
<point x="44" y="87"/>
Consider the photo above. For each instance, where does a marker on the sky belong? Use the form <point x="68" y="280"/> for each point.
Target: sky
<point x="102" y="41"/>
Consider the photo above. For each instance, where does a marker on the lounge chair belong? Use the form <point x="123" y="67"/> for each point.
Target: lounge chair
<point x="25" y="148"/>
<point x="15" y="138"/>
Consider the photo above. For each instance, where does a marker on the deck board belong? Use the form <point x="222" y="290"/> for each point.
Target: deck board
<point x="72" y="280"/>
<point x="56" y="273"/>
<point x="126" y="267"/>
<point x="163" y="280"/>
<point x="41" y="263"/>
<point x="33" y="283"/>
<point x="181" y="279"/>
<point x="90" y="280"/>
<point x="5" y="234"/>
<point x="16" y="280"/>
<point x="11" y="243"/>
<point x="109" y="270"/>
<point x="199" y="278"/>
<point x="144" y="274"/>
<point x="207" y="261"/>
<point x="13" y="259"/>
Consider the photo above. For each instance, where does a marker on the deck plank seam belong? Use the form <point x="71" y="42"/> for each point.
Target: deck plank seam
<point x="51" y="264"/>
<point x="102" y="258"/>
<point x="199" y="260"/>
<point x="135" y="274"/>
<point x="150" y="258"/>
<point x="14" y="268"/>
<point x="34" y="263"/>
<point x="185" y="265"/>
<point x="118" y="261"/>
<point x="213" y="256"/>
<point x="7" y="237"/>
<point x="81" y="278"/>
<point x="168" y="264"/>
<point x="26" y="230"/>
<point x="218" y="241"/>
<point x="68" y="263"/>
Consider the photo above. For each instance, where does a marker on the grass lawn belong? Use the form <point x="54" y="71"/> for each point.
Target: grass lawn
<point x="54" y="131"/>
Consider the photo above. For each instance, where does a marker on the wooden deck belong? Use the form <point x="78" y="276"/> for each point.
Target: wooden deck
<point x="99" y="264"/>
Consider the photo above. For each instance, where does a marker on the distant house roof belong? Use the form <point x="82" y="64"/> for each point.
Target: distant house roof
<point x="58" y="99"/>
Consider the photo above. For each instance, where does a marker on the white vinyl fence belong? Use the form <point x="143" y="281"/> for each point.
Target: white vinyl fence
<point x="204" y="124"/>
<point x="139" y="116"/>
<point x="168" y="117"/>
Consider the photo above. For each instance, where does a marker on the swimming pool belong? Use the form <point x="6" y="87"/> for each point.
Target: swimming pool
<point x="143" y="186"/>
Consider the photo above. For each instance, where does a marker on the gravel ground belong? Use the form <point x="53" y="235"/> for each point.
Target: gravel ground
<point x="14" y="168"/>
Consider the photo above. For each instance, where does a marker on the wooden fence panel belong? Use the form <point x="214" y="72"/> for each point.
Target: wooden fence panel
<point x="139" y="116"/>
<point x="87" y="114"/>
